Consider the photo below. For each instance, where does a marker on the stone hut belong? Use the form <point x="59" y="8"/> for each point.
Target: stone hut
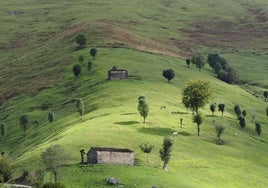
<point x="117" y="74"/>
<point x="103" y="155"/>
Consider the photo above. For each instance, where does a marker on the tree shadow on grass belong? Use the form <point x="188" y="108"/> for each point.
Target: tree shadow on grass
<point x="127" y="122"/>
<point x="131" y="113"/>
<point x="156" y="131"/>
<point x="184" y="133"/>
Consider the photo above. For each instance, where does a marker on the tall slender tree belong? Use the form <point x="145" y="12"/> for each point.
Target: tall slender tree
<point x="143" y="107"/>
<point x="165" y="151"/>
<point x="258" y="128"/>
<point x="80" y="106"/>
<point x="237" y="110"/>
<point x="93" y="52"/>
<point x="198" y="119"/>
<point x="213" y="108"/>
<point x="53" y="158"/>
<point x="50" y="117"/>
<point x="221" y="108"/>
<point x="82" y="153"/>
<point x="24" y="123"/>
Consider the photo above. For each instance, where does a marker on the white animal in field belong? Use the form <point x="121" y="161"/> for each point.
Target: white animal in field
<point x="175" y="133"/>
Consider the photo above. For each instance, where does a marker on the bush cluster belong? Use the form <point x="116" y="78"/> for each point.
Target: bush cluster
<point x="222" y="68"/>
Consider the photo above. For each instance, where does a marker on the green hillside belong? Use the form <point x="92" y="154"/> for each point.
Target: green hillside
<point x="38" y="51"/>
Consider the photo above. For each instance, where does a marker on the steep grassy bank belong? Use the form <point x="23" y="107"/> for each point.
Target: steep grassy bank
<point x="112" y="120"/>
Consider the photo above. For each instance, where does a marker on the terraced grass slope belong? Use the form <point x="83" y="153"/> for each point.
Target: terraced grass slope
<point x="149" y="37"/>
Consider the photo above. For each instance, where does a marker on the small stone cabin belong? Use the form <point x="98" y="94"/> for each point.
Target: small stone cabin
<point x="103" y="155"/>
<point x="117" y="74"/>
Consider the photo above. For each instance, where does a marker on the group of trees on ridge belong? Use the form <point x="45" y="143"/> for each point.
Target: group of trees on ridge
<point x="221" y="67"/>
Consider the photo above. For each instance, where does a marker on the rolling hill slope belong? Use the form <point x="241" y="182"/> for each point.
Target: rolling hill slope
<point x="145" y="38"/>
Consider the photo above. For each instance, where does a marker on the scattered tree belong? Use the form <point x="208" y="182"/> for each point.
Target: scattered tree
<point x="89" y="66"/>
<point x="93" y="52"/>
<point x="50" y="117"/>
<point x="265" y="94"/>
<point x="165" y="151"/>
<point x="198" y="119"/>
<point x="3" y="130"/>
<point x="81" y="59"/>
<point x="221" y="108"/>
<point x="188" y="61"/>
<point x="242" y="122"/>
<point x="169" y="74"/>
<point x="237" y="111"/>
<point x="181" y="119"/>
<point x="146" y="148"/>
<point x="80" y="106"/>
<point x="143" y="107"/>
<point x="5" y="170"/>
<point x="82" y="153"/>
<point x="53" y="158"/>
<point x="258" y="128"/>
<point x="81" y="40"/>
<point x="219" y="131"/>
<point x="77" y="70"/>
<point x="196" y="94"/>
<point x="24" y="121"/>
<point x="213" y="108"/>
<point x="198" y="61"/>
<point x="267" y="111"/>
<point x="244" y="113"/>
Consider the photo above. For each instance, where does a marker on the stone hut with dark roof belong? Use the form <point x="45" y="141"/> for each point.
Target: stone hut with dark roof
<point x="117" y="74"/>
<point x="103" y="155"/>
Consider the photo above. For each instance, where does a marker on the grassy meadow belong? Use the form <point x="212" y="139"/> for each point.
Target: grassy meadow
<point x="37" y="55"/>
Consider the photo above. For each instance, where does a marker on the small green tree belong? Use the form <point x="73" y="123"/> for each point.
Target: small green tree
<point x="81" y="40"/>
<point x="24" y="122"/>
<point x="188" y="61"/>
<point x="181" y="119"/>
<point x="242" y="122"/>
<point x="244" y="113"/>
<point x="146" y="148"/>
<point x="221" y="108"/>
<point x="89" y="66"/>
<point x="258" y="128"/>
<point x="265" y="94"/>
<point x="93" y="52"/>
<point x="143" y="107"/>
<point x="5" y="170"/>
<point x="198" y="61"/>
<point x="50" y="117"/>
<point x="213" y="108"/>
<point x="82" y="153"/>
<point x="198" y="119"/>
<point x="237" y="111"/>
<point x="219" y="131"/>
<point x="53" y="158"/>
<point x="80" y="106"/>
<point x="165" y="151"/>
<point x="77" y="70"/>
<point x="81" y="59"/>
<point x="3" y="130"/>
<point x="169" y="74"/>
